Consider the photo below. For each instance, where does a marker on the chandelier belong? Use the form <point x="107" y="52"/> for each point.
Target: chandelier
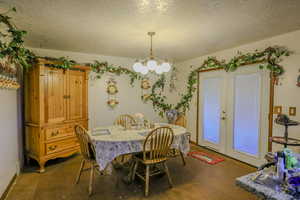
<point x="151" y="64"/>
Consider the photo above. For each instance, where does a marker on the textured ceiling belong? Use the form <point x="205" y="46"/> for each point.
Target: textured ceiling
<point x="185" y="28"/>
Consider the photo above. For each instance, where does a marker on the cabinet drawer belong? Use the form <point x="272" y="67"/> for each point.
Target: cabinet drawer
<point x="58" y="132"/>
<point x="61" y="145"/>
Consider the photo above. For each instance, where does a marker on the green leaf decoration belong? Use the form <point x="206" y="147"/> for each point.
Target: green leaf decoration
<point x="24" y="58"/>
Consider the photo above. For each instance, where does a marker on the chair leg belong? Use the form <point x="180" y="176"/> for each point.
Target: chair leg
<point x="182" y="158"/>
<point x="80" y="171"/>
<point x="91" y="180"/>
<point x="135" y="166"/>
<point x="168" y="174"/>
<point x="147" y="180"/>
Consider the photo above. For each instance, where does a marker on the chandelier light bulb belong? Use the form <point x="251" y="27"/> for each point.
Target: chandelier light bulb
<point x="166" y="66"/>
<point x="137" y="66"/>
<point x="144" y="70"/>
<point x="152" y="65"/>
<point x="159" y="69"/>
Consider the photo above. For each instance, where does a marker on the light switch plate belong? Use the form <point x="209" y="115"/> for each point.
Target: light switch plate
<point x="277" y="110"/>
<point x="292" y="111"/>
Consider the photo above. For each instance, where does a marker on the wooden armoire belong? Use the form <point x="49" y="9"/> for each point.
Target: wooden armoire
<point x="55" y="101"/>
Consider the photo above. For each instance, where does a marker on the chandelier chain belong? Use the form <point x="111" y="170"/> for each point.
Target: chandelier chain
<point x="151" y="43"/>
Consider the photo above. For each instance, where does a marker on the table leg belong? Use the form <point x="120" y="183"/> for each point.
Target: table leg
<point x="130" y="165"/>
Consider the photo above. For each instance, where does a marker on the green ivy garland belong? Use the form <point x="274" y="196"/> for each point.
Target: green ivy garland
<point x="103" y="67"/>
<point x="271" y="56"/>
<point x="98" y="67"/>
<point x="18" y="54"/>
<point x="60" y="63"/>
<point x="14" y="50"/>
<point x="158" y="100"/>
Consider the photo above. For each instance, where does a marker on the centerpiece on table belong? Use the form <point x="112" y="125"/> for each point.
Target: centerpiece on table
<point x="172" y="115"/>
<point x="142" y="122"/>
<point x="139" y="118"/>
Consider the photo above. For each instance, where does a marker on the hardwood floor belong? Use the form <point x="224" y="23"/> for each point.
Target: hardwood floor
<point x="195" y="181"/>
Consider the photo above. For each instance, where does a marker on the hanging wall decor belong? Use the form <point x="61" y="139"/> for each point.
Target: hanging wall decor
<point x="8" y="76"/>
<point x="173" y="79"/>
<point x="145" y="85"/>
<point x="298" y="80"/>
<point x="112" y="90"/>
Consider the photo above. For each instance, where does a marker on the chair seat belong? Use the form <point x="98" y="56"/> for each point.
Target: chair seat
<point x="140" y="157"/>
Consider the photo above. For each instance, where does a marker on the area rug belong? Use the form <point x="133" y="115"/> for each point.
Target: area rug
<point x="205" y="157"/>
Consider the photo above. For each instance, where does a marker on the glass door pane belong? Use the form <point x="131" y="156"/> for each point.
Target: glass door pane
<point x="246" y="124"/>
<point x="211" y="89"/>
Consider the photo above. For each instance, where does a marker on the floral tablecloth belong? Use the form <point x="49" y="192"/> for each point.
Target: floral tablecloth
<point x="114" y="141"/>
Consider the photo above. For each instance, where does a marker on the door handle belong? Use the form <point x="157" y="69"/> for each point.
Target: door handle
<point x="223" y="115"/>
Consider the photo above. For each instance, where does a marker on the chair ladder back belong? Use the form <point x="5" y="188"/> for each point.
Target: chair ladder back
<point x="84" y="142"/>
<point x="157" y="143"/>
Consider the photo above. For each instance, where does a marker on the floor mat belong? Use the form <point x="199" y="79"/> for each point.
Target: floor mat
<point x="205" y="157"/>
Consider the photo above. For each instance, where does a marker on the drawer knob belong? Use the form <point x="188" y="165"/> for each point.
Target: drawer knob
<point x="53" y="134"/>
<point x="52" y="148"/>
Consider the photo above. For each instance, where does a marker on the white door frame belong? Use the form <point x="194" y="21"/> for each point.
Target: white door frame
<point x="221" y="146"/>
<point x="265" y="127"/>
<point x="264" y="106"/>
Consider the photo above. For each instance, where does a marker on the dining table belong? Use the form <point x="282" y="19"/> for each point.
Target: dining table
<point x="113" y="141"/>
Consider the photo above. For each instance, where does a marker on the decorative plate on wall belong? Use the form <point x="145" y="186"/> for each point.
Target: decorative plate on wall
<point x="112" y="87"/>
<point x="112" y="90"/>
<point x="146" y="97"/>
<point x="112" y="103"/>
<point x="145" y="84"/>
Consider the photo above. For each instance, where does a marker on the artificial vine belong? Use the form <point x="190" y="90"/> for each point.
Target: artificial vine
<point x="15" y="51"/>
<point x="103" y="67"/>
<point x="271" y="57"/>
<point x="158" y="100"/>
<point x="13" y="48"/>
<point x="60" y="63"/>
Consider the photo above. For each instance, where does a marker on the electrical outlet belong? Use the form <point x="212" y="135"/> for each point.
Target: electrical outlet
<point x="277" y="110"/>
<point x="292" y="111"/>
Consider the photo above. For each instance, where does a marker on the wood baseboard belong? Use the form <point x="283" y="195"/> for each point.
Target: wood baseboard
<point x="5" y="193"/>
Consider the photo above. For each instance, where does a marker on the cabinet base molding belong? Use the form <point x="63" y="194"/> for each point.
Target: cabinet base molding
<point x="42" y="161"/>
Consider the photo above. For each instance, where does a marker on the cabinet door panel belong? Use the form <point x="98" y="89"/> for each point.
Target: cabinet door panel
<point x="77" y="95"/>
<point x="55" y="95"/>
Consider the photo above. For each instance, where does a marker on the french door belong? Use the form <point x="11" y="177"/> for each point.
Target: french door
<point x="233" y="113"/>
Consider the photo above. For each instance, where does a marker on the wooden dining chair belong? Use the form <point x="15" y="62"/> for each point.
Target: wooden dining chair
<point x="155" y="149"/>
<point x="125" y="120"/>
<point x="88" y="155"/>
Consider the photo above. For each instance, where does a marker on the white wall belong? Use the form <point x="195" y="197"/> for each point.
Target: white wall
<point x="129" y="97"/>
<point x="287" y="94"/>
<point x="10" y="137"/>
